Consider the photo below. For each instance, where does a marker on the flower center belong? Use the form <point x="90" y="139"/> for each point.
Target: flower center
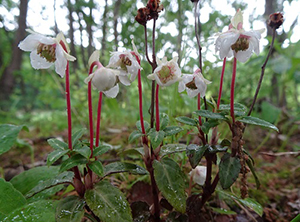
<point x="241" y="44"/>
<point x="125" y="61"/>
<point x="165" y="74"/>
<point x="47" y="52"/>
<point x="191" y="84"/>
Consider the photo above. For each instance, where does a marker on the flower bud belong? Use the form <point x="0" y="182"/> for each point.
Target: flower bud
<point x="275" y="20"/>
<point x="199" y="175"/>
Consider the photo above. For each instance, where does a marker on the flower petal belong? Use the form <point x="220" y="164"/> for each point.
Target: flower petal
<point x="60" y="62"/>
<point x="124" y="80"/>
<point x="30" y="43"/>
<point x="181" y="86"/>
<point x="39" y="62"/>
<point x="224" y="43"/>
<point x="94" y="57"/>
<point x="243" y="56"/>
<point x="89" y="78"/>
<point x="113" y="92"/>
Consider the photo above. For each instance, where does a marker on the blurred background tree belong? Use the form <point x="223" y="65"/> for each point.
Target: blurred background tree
<point x="36" y="97"/>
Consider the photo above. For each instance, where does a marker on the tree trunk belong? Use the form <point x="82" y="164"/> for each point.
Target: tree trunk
<point x="71" y="34"/>
<point x="180" y="18"/>
<point x="89" y="27"/>
<point x="7" y="80"/>
<point x="104" y="30"/>
<point x="116" y="16"/>
<point x="82" y="50"/>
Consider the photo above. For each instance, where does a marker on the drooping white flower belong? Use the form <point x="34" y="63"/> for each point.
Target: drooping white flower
<point x="236" y="41"/>
<point x="193" y="84"/>
<point x="199" y="175"/>
<point x="105" y="80"/>
<point x="46" y="51"/>
<point x="167" y="72"/>
<point x="126" y="63"/>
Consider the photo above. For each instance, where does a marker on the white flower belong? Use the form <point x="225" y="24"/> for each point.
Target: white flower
<point x="194" y="84"/>
<point x="46" y="50"/>
<point x="105" y="80"/>
<point x="236" y="41"/>
<point x="167" y="72"/>
<point x="127" y="63"/>
<point x="199" y="175"/>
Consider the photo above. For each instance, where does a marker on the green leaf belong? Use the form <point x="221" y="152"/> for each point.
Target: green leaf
<point x="108" y="203"/>
<point x="156" y="137"/>
<point x="223" y="211"/>
<point x="251" y="167"/>
<point x="170" y="181"/>
<point x="69" y="209"/>
<point x="8" y="136"/>
<point x="10" y="198"/>
<point x="101" y="149"/>
<point x="253" y="205"/>
<point x="134" y="136"/>
<point x="208" y="125"/>
<point x="120" y="167"/>
<point x="187" y="120"/>
<point x="217" y="149"/>
<point x="42" y="210"/>
<point x="146" y="126"/>
<point x="239" y="109"/>
<point x="77" y="135"/>
<point x="229" y="170"/>
<point x="139" y="151"/>
<point x="47" y="194"/>
<point x="73" y="161"/>
<point x="210" y="115"/>
<point x="58" y="145"/>
<point x="195" y="153"/>
<point x="27" y="180"/>
<point x="172" y="148"/>
<point x="258" y="122"/>
<point x="83" y="150"/>
<point x="55" y="155"/>
<point x="172" y="130"/>
<point x="65" y="177"/>
<point x="97" y="168"/>
<point x="164" y="121"/>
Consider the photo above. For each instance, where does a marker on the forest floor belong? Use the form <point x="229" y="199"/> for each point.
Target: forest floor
<point x="276" y="162"/>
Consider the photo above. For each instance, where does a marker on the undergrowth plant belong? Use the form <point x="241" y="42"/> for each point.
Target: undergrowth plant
<point x="89" y="193"/>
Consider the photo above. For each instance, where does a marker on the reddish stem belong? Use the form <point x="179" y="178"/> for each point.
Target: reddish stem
<point x="199" y="107"/>
<point x="232" y="90"/>
<point x="98" y="119"/>
<point x="69" y="107"/>
<point x="95" y="63"/>
<point x="221" y="83"/>
<point x="157" y="108"/>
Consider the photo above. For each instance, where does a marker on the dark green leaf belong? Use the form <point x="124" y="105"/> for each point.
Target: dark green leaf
<point x="108" y="203"/>
<point x="258" y="122"/>
<point x="8" y="136"/>
<point x="134" y="135"/>
<point x="253" y="205"/>
<point x="10" y="198"/>
<point x="210" y="115"/>
<point x="208" y="125"/>
<point x="47" y="194"/>
<point x="146" y="126"/>
<point x="76" y="136"/>
<point x="217" y="149"/>
<point x="239" y="109"/>
<point x="156" y="137"/>
<point x="172" y="148"/>
<point x="223" y="211"/>
<point x="170" y="181"/>
<point x="225" y="142"/>
<point x="172" y="130"/>
<point x="251" y="167"/>
<point x="65" y="177"/>
<point x="69" y="209"/>
<point x="187" y="120"/>
<point x="83" y="150"/>
<point x="101" y="149"/>
<point x="164" y="121"/>
<point x="229" y="170"/>
<point x="119" y="167"/>
<point x="195" y="153"/>
<point x="139" y="151"/>
<point x="97" y="168"/>
<point x="27" y="180"/>
<point x="55" y="155"/>
<point x="42" y="210"/>
<point x="72" y="162"/>
<point x="57" y="144"/>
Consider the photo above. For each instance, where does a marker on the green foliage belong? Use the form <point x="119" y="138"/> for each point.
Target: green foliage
<point x="229" y="170"/>
<point x="108" y="203"/>
<point x="119" y="167"/>
<point x="195" y="153"/>
<point x="170" y="181"/>
<point x="70" y="208"/>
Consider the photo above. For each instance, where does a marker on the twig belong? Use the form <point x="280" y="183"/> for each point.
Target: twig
<point x="263" y="71"/>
